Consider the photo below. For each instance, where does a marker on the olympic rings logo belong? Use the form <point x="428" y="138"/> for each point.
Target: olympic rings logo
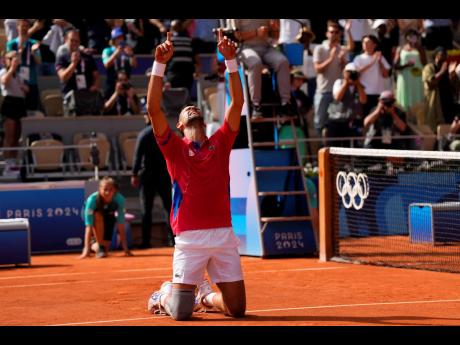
<point x="351" y="187"/>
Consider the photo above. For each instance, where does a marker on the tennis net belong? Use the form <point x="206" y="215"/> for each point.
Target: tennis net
<point x="390" y="207"/>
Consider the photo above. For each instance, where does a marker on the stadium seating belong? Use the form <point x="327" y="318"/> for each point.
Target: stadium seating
<point x="49" y="159"/>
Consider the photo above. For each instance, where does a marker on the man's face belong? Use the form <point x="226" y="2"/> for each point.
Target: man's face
<point x="368" y="45"/>
<point x="191" y="127"/>
<point x="23" y="27"/>
<point x="440" y="58"/>
<point x="73" y="41"/>
<point x="333" y="34"/>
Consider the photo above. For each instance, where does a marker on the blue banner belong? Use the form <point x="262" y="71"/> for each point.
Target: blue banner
<point x="55" y="217"/>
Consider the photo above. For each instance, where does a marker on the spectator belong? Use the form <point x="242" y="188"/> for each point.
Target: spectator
<point x="409" y="62"/>
<point x="385" y="121"/>
<point x="124" y="100"/>
<point x="358" y="29"/>
<point x="29" y="53"/>
<point x="452" y="141"/>
<point x="438" y="32"/>
<point x="104" y="209"/>
<point x="306" y="37"/>
<point x="441" y="87"/>
<point x="135" y="30"/>
<point x="37" y="31"/>
<point x="373" y="69"/>
<point x="151" y="176"/>
<point x="180" y="71"/>
<point x="256" y="49"/>
<point x="329" y="59"/>
<point x="77" y="71"/>
<point x="347" y="110"/>
<point x="385" y="45"/>
<point x="119" y="56"/>
<point x="13" y="108"/>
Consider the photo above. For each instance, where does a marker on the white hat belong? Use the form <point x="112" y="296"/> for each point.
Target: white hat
<point x="350" y="67"/>
<point x="378" y="22"/>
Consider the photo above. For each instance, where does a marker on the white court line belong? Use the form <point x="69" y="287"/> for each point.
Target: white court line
<point x="154" y="277"/>
<point x="81" y="273"/>
<point x="277" y="309"/>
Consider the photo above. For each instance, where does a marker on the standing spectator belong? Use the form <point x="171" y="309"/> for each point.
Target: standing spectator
<point x="329" y="59"/>
<point x="150" y="38"/>
<point x="346" y="112"/>
<point x="305" y="36"/>
<point x="151" y="176"/>
<point x="124" y="100"/>
<point x="373" y="69"/>
<point x="385" y="121"/>
<point x="179" y="72"/>
<point x="37" y="31"/>
<point x="409" y="62"/>
<point x="438" y="32"/>
<point x="135" y="30"/>
<point x="358" y="29"/>
<point x="13" y="108"/>
<point x="385" y="45"/>
<point x="441" y="88"/>
<point x="119" y="56"/>
<point x="29" y="53"/>
<point x="77" y="70"/>
<point x="256" y="48"/>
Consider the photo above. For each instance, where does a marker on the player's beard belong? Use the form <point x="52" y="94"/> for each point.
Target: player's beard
<point x="195" y="132"/>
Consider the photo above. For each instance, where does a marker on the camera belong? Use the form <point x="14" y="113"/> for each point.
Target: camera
<point x="126" y="86"/>
<point x="354" y="75"/>
<point x="388" y="102"/>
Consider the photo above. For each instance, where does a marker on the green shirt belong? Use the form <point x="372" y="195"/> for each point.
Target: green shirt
<point x="117" y="204"/>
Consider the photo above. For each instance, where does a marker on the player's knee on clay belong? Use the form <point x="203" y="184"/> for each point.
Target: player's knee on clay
<point x="181" y="304"/>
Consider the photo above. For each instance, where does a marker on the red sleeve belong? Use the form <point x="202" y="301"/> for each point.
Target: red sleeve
<point x="170" y="144"/>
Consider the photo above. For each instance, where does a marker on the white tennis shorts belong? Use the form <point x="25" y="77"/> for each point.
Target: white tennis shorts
<point x="214" y="250"/>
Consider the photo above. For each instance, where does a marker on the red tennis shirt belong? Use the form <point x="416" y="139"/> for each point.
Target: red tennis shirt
<point x="200" y="178"/>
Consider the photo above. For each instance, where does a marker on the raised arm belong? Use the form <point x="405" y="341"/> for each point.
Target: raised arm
<point x="228" y="50"/>
<point x="163" y="54"/>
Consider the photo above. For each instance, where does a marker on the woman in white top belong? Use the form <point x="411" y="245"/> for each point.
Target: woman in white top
<point x="13" y="106"/>
<point x="373" y="68"/>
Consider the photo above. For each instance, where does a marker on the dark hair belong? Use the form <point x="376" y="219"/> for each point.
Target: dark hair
<point x="334" y="24"/>
<point x="372" y="38"/>
<point x="439" y="50"/>
<point x="70" y="30"/>
<point x="411" y="32"/>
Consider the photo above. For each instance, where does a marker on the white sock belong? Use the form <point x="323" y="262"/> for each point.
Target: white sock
<point x="208" y="300"/>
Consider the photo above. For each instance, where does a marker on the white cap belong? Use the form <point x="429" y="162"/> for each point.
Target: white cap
<point x="378" y="22"/>
<point x="350" y="67"/>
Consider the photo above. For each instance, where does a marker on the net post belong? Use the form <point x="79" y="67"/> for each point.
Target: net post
<point x="325" y="205"/>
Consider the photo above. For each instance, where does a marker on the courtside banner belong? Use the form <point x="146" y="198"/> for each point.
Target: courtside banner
<point x="54" y="212"/>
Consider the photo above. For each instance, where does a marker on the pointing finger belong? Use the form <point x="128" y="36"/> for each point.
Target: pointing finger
<point x="219" y="34"/>
<point x="169" y="36"/>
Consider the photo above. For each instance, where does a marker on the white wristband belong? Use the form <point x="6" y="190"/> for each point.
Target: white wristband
<point x="232" y="65"/>
<point x="158" y="69"/>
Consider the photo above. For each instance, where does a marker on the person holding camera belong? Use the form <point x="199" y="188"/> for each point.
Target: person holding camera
<point x="373" y="69"/>
<point x="346" y="110"/>
<point x="384" y="122"/>
<point x="124" y="100"/>
<point x="118" y="56"/>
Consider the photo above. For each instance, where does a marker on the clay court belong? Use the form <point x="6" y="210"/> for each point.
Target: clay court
<point x="60" y="290"/>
